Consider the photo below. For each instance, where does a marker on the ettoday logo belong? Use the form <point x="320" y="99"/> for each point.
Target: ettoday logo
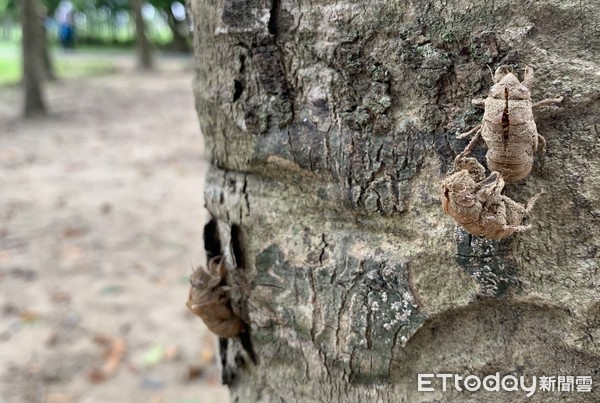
<point x="507" y="383"/>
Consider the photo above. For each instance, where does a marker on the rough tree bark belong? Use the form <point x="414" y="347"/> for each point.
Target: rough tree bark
<point x="33" y="63"/>
<point x="329" y="126"/>
<point x="142" y="42"/>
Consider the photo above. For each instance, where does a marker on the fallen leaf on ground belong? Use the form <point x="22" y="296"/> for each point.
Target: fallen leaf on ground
<point x="194" y="372"/>
<point x="140" y="268"/>
<point x="56" y="397"/>
<point x="29" y="316"/>
<point x="102" y="339"/>
<point x="113" y="355"/>
<point x="9" y="154"/>
<point x="51" y="338"/>
<point x="74" y="232"/>
<point x="71" y="252"/>
<point x="207" y="351"/>
<point x="5" y="256"/>
<point x="154" y="355"/>
<point x="60" y="297"/>
<point x="171" y="353"/>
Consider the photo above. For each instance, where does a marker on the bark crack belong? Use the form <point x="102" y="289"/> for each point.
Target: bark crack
<point x="289" y="136"/>
<point x="273" y="17"/>
<point x="310" y="160"/>
<point x="325" y="245"/>
<point x="341" y="310"/>
<point x="316" y="310"/>
<point x="394" y="342"/>
<point x="369" y="328"/>
<point x="410" y="280"/>
<point x="245" y="193"/>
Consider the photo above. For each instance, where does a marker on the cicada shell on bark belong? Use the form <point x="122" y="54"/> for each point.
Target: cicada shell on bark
<point x="508" y="127"/>
<point x="210" y="299"/>
<point x="476" y="202"/>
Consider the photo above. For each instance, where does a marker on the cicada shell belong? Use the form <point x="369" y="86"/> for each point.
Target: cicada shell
<point x="479" y="206"/>
<point x="210" y="299"/>
<point x="508" y="127"/>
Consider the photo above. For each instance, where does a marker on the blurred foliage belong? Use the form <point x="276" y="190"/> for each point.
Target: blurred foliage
<point x="4" y="6"/>
<point x="7" y="6"/>
<point x="10" y="71"/>
<point x="107" y="22"/>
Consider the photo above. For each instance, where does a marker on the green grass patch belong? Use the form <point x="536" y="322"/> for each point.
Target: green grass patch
<point x="10" y="70"/>
<point x="83" y="64"/>
<point x="83" y="68"/>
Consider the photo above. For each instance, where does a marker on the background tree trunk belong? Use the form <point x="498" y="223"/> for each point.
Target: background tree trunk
<point x="33" y="64"/>
<point x="143" y="44"/>
<point x="48" y="66"/>
<point x="329" y="126"/>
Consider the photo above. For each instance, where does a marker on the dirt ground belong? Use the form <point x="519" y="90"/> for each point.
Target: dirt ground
<point x="101" y="218"/>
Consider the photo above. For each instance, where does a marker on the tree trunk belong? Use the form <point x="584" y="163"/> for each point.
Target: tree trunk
<point x="48" y="66"/>
<point x="143" y="44"/>
<point x="33" y="64"/>
<point x="329" y="126"/>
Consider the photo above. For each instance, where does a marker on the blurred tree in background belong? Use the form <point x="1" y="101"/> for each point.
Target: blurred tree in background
<point x="143" y="45"/>
<point x="33" y="59"/>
